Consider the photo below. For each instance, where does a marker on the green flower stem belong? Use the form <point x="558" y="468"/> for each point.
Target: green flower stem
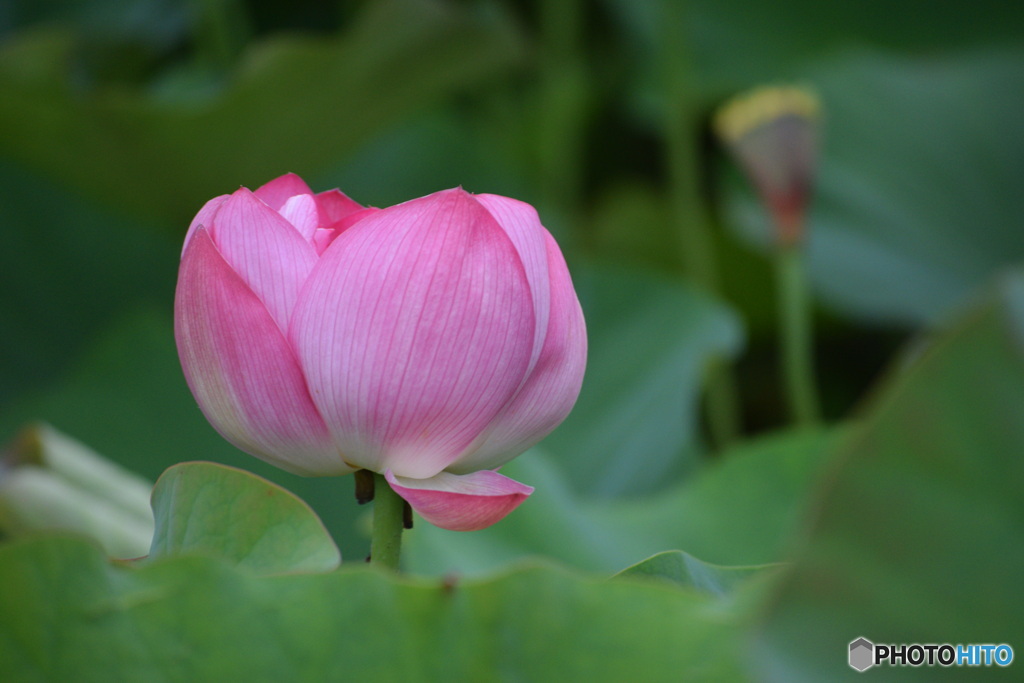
<point x="796" y="345"/>
<point x="682" y="136"/>
<point x="388" y="522"/>
<point x="722" y="403"/>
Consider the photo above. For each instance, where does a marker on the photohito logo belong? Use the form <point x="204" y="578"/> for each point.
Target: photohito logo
<point x="864" y="654"/>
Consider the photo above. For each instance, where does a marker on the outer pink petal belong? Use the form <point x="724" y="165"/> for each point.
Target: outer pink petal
<point x="204" y="217"/>
<point x="461" y="503"/>
<point x="279" y="190"/>
<point x="522" y="224"/>
<point x="335" y="205"/>
<point x="414" y="330"/>
<point x="265" y="250"/>
<point x="241" y="370"/>
<point x="551" y="390"/>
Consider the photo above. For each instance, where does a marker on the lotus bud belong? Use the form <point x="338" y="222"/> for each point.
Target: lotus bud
<point x="431" y="341"/>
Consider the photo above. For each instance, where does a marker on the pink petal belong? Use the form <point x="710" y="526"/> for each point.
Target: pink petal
<point x="335" y="205"/>
<point x="265" y="250"/>
<point x="324" y="236"/>
<point x="322" y="239"/>
<point x="302" y="213"/>
<point x="461" y="503"/>
<point x="414" y="330"/>
<point x="522" y="224"/>
<point x="551" y="389"/>
<point x="353" y="218"/>
<point x="204" y="217"/>
<point x="241" y="370"/>
<point x="279" y="190"/>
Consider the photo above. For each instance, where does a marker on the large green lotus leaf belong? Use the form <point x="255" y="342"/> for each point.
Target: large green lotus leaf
<point x="635" y="425"/>
<point x="918" y="535"/>
<point x="292" y="104"/>
<point x="231" y="514"/>
<point x="687" y="570"/>
<point x="71" y="615"/>
<point x="127" y="399"/>
<point x="739" y="511"/>
<point x="917" y="201"/>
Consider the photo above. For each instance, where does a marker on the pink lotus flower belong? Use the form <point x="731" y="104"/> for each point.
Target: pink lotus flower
<point x="432" y="341"/>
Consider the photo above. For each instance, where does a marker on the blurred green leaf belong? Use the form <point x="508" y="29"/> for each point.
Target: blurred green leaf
<point x="127" y="398"/>
<point x="70" y="615"/>
<point x="635" y="426"/>
<point x="231" y="514"/>
<point x="294" y="104"/>
<point x="736" y="44"/>
<point x="739" y="511"/>
<point x="159" y="22"/>
<point x="686" y="570"/>
<point x="918" y="201"/>
<point x="918" y="535"/>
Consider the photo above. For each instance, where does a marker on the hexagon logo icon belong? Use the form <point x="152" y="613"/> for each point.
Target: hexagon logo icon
<point x="862" y="654"/>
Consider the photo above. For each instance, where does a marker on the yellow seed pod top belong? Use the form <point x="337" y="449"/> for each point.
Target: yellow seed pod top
<point x="755" y="108"/>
